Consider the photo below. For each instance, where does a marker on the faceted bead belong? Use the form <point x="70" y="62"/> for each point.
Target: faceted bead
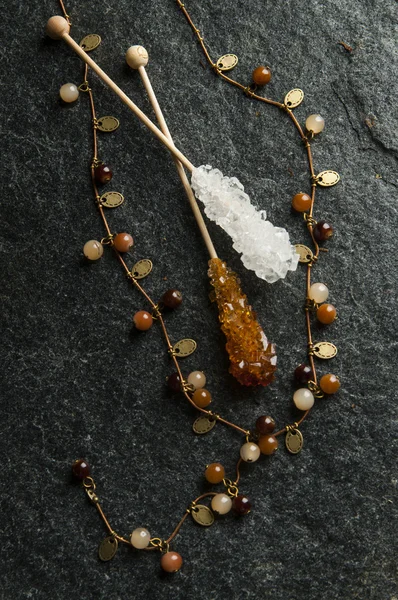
<point x="140" y="538"/>
<point x="197" y="379"/>
<point x="241" y="505"/>
<point x="319" y="292"/>
<point x="171" y="562"/>
<point x="215" y="473"/>
<point x="265" y="425"/>
<point x="122" y="242"/>
<point x="69" y="92"/>
<point x="262" y="75"/>
<point x="268" y="444"/>
<point x="322" y="231"/>
<point x="301" y="202"/>
<point x="174" y="383"/>
<point x="102" y="174"/>
<point x="221" y="504"/>
<point x="315" y="123"/>
<point x="250" y="452"/>
<point x="143" y="320"/>
<point x="326" y="314"/>
<point x="329" y="383"/>
<point x="303" y="374"/>
<point x="171" y="299"/>
<point x="81" y="469"/>
<point x="201" y="397"/>
<point x="93" y="250"/>
<point x="303" y="399"/>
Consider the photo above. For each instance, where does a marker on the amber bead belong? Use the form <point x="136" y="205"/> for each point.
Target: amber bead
<point x="172" y="299"/>
<point x="301" y="202"/>
<point x="265" y="425"/>
<point x="215" y="473"/>
<point x="262" y="75"/>
<point x="329" y="383"/>
<point x="326" y="314"/>
<point x="171" y="562"/>
<point x="201" y="397"/>
<point x="303" y="374"/>
<point x="322" y="231"/>
<point x="241" y="505"/>
<point x="268" y="444"/>
<point x="174" y="382"/>
<point x="143" y="320"/>
<point x="122" y="242"/>
<point x="81" y="469"/>
<point x="102" y="174"/>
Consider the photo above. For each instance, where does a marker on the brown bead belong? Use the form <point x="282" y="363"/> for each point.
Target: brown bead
<point x="241" y="505"/>
<point x="301" y="202"/>
<point x="329" y="383"/>
<point x="122" y="242"/>
<point x="322" y="231"/>
<point x="102" y="174"/>
<point x="81" y="469"/>
<point x="268" y="444"/>
<point x="215" y="473"/>
<point x="265" y="425"/>
<point x="174" y="383"/>
<point x="143" y="320"/>
<point x="303" y="374"/>
<point x="172" y="299"/>
<point x="201" y="397"/>
<point x="171" y="562"/>
<point x="326" y="314"/>
<point x="262" y="75"/>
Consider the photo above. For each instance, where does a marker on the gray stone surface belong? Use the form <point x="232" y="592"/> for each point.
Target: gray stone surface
<point x="76" y="382"/>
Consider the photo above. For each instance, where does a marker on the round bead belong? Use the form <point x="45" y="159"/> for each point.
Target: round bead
<point x="319" y="292"/>
<point x="326" y="314"/>
<point x="81" y="469"/>
<point x="329" y="383"/>
<point x="93" y="250"/>
<point x="136" y="56"/>
<point x="303" y="374"/>
<point x="171" y="562"/>
<point x="315" y="123"/>
<point x="197" y="379"/>
<point x="140" y="538"/>
<point x="265" y="425"/>
<point x="241" y="505"/>
<point x="322" y="231"/>
<point x="172" y="299"/>
<point x="102" y="174"/>
<point x="201" y="397"/>
<point x="174" y="383"/>
<point x="122" y="242"/>
<point x="69" y="92"/>
<point x="215" y="473"/>
<point x="250" y="452"/>
<point x="302" y="202"/>
<point x="262" y="75"/>
<point x="303" y="399"/>
<point x="268" y="444"/>
<point x="221" y="504"/>
<point x="56" y="27"/>
<point x="143" y="320"/>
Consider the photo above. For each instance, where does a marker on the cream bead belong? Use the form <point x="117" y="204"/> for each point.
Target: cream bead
<point x="140" y="538"/>
<point x="221" y="504"/>
<point x="303" y="399"/>
<point x="93" y="250"/>
<point x="315" y="123"/>
<point x="197" y="379"/>
<point x="250" y="452"/>
<point x="56" y="27"/>
<point x="318" y="292"/>
<point x="69" y="92"/>
<point x="136" y="56"/>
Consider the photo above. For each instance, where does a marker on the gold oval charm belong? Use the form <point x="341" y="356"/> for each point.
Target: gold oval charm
<point x="294" y="98"/>
<point x="227" y="62"/>
<point x="325" y="350"/>
<point x="107" y="124"/>
<point x="203" y="425"/>
<point x="90" y="42"/>
<point x="142" y="268"/>
<point x="184" y="347"/>
<point x="304" y="252"/>
<point x="327" y="178"/>
<point x="108" y="548"/>
<point x="202" y="515"/>
<point x="111" y="199"/>
<point x="294" y="441"/>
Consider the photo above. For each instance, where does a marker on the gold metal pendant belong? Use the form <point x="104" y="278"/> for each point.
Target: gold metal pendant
<point x="325" y="350"/>
<point x="203" y="425"/>
<point x="294" y="98"/>
<point x="202" y="515"/>
<point x="227" y="62"/>
<point x="327" y="178"/>
<point x="142" y="268"/>
<point x="90" y="42"/>
<point x="108" y="548"/>
<point x="111" y="199"/>
<point x="184" y="347"/>
<point x="294" y="441"/>
<point x="304" y="252"/>
<point x="107" y="124"/>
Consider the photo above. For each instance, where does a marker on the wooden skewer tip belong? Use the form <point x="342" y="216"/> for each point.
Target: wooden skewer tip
<point x="56" y="27"/>
<point x="136" y="57"/>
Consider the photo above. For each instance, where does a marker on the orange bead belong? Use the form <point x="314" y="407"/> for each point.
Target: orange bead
<point x="122" y="242"/>
<point x="329" y="383"/>
<point x="268" y="444"/>
<point x="262" y="75"/>
<point x="201" y="397"/>
<point x="143" y="320"/>
<point x="171" y="562"/>
<point x="301" y="202"/>
<point x="215" y="473"/>
<point x="326" y="314"/>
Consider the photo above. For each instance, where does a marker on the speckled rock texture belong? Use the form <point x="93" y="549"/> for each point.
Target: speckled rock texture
<point x="76" y="382"/>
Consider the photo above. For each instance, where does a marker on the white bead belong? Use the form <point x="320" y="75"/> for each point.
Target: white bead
<point x="319" y="292"/>
<point x="69" y="92"/>
<point x="315" y="123"/>
<point x="197" y="379"/>
<point x="93" y="250"/>
<point x="250" y="452"/>
<point x="221" y="504"/>
<point x="136" y="56"/>
<point x="303" y="399"/>
<point x="140" y="538"/>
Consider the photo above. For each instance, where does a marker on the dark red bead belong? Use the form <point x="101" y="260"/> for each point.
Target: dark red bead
<point x="265" y="425"/>
<point x="303" y="374"/>
<point x="241" y="505"/>
<point x="322" y="231"/>
<point x="172" y="299"/>
<point x="102" y="174"/>
<point x="81" y="469"/>
<point x="174" y="382"/>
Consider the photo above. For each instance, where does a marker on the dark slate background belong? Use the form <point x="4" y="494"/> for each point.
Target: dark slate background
<point x="78" y="383"/>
